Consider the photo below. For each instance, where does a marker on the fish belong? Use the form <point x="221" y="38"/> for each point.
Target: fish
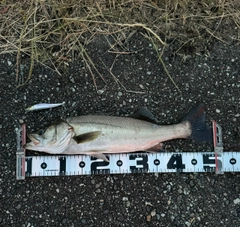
<point x="42" y="106"/>
<point x="97" y="135"/>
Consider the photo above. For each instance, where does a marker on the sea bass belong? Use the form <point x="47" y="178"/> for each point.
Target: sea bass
<point x="97" y="135"/>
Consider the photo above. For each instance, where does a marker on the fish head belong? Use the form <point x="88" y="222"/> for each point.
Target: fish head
<point x="53" y="140"/>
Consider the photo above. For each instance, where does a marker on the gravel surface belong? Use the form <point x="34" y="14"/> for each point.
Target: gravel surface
<point x="174" y="200"/>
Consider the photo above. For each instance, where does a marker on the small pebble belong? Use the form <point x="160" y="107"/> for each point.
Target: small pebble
<point x="98" y="185"/>
<point x="153" y="213"/>
<point x="148" y="204"/>
<point x="119" y="93"/>
<point x="106" y="211"/>
<point x="128" y="204"/>
<point x="72" y="79"/>
<point x="149" y="218"/>
<point x="100" y="92"/>
<point x="180" y="191"/>
<point x="98" y="190"/>
<point x="141" y="86"/>
<point x="236" y="201"/>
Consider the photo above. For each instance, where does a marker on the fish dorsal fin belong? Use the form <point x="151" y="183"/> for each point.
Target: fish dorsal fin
<point x="144" y="114"/>
<point x="87" y="137"/>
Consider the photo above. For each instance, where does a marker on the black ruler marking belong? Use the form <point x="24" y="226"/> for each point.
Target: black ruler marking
<point x="28" y="160"/>
<point x="62" y="170"/>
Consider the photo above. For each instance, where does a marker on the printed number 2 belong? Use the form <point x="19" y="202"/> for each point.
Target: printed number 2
<point x="98" y="167"/>
<point x="175" y="162"/>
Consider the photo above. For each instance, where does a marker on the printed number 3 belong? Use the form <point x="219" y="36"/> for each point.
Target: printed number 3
<point x="143" y="163"/>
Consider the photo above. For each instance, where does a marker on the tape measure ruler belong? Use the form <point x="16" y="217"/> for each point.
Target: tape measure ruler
<point x="162" y="162"/>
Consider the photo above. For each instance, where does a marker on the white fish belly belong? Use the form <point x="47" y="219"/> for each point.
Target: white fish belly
<point x="122" y="134"/>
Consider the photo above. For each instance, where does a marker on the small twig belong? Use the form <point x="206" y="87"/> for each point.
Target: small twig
<point x="90" y="70"/>
<point x="122" y="25"/>
<point x="4" y="10"/>
<point x="184" y="44"/>
<point x="17" y="65"/>
<point x="216" y="36"/>
<point x="33" y="50"/>
<point x="163" y="64"/>
<point x="119" y="52"/>
<point x="117" y="80"/>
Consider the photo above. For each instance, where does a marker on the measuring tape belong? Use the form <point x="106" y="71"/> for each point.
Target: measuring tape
<point x="161" y="162"/>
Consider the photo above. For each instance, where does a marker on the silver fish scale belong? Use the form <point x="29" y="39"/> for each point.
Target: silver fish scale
<point x="131" y="134"/>
<point x="109" y="120"/>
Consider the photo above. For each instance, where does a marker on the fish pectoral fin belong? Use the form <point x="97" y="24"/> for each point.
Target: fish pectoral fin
<point x="87" y="137"/>
<point x="97" y="154"/>
<point x="144" y="114"/>
<point x="156" y="148"/>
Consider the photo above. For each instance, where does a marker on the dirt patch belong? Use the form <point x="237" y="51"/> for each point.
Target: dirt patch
<point x="56" y="33"/>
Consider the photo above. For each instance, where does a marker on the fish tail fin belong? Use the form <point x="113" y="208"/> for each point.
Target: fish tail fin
<point x="197" y="119"/>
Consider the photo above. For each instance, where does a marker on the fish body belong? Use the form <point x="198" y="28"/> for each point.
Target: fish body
<point x="121" y="134"/>
<point x="42" y="106"/>
<point x="98" y="135"/>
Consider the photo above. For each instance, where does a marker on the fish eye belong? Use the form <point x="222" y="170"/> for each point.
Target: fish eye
<point x="41" y="132"/>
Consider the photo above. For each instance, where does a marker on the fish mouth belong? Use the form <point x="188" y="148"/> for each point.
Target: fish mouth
<point x="34" y="140"/>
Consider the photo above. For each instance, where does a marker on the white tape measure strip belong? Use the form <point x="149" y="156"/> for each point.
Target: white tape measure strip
<point x="162" y="162"/>
<point x="129" y="163"/>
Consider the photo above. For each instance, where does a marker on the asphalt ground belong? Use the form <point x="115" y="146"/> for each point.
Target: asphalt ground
<point x="171" y="199"/>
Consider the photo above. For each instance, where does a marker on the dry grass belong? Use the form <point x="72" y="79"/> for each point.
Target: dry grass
<point x="56" y="32"/>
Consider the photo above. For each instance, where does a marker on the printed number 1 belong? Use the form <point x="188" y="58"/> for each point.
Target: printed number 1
<point x="175" y="162"/>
